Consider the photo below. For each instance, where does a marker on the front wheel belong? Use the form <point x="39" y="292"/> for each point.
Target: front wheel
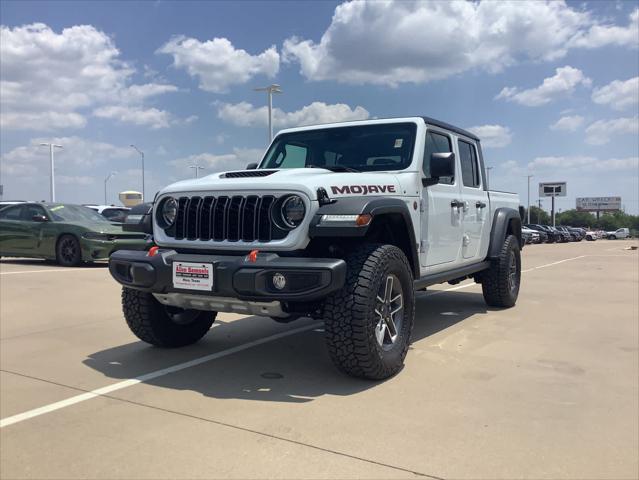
<point x="368" y="322"/>
<point x="612" y="237"/>
<point x="161" y="325"/>
<point x="500" y="283"/>
<point x="68" y="252"/>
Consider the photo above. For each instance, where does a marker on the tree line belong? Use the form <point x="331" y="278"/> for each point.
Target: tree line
<point x="575" y="218"/>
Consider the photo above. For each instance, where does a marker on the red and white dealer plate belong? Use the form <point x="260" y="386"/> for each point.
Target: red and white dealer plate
<point x="193" y="276"/>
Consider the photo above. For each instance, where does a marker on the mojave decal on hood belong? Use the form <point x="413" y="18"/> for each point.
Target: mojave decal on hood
<point x="306" y="180"/>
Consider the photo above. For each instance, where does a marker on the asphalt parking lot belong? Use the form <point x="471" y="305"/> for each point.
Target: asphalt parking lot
<point x="548" y="389"/>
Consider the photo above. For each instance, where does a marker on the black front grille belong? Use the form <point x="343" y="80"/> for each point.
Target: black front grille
<point x="226" y="218"/>
<point x="249" y="173"/>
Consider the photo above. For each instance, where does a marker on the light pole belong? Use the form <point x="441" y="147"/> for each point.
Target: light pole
<point x="528" y="204"/>
<point x="105" y="185"/>
<point x="142" y="156"/>
<point x="197" y="168"/>
<point x="488" y="169"/>
<point x="271" y="89"/>
<point x="51" y="167"/>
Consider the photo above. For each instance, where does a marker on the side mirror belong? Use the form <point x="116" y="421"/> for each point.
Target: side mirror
<point x="441" y="165"/>
<point x="251" y="166"/>
<point x="39" y="218"/>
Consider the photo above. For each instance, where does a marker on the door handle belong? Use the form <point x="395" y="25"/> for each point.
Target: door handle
<point x="480" y="204"/>
<point x="456" y="204"/>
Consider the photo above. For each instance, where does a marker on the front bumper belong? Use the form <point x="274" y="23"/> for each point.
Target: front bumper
<point x="93" y="249"/>
<point x="233" y="276"/>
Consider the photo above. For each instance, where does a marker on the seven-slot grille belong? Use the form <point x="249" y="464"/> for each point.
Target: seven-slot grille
<point x="225" y="218"/>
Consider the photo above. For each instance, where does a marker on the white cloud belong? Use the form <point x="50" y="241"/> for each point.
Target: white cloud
<point x="583" y="162"/>
<point x="41" y="121"/>
<point x="601" y="132"/>
<point x="218" y="64"/>
<point x="619" y="94"/>
<point x="49" y="80"/>
<point x="599" y="35"/>
<point x="394" y="42"/>
<point x="244" y="114"/>
<point x="77" y="154"/>
<point x="568" y="123"/>
<point x="564" y="82"/>
<point x="492" y="136"/>
<point x="212" y="163"/>
<point x="74" y="179"/>
<point x="151" y="117"/>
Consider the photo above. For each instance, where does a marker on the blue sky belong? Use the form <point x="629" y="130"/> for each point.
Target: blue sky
<point x="552" y="88"/>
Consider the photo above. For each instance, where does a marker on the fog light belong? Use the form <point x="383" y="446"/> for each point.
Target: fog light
<point x="279" y="281"/>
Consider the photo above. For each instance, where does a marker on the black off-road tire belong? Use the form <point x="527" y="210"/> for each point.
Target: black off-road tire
<point x="152" y="322"/>
<point x="350" y="317"/>
<point x="500" y="284"/>
<point x="68" y="252"/>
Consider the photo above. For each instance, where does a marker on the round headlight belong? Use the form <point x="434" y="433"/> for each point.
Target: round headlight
<point x="293" y="211"/>
<point x="168" y="211"/>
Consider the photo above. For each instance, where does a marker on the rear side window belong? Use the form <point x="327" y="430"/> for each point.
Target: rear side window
<point x="11" y="213"/>
<point x="469" y="164"/>
<point x="437" y="143"/>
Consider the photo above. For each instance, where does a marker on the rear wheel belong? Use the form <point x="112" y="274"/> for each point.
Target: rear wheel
<point x="160" y="325"/>
<point x="500" y="283"/>
<point x="68" y="251"/>
<point x="369" y="321"/>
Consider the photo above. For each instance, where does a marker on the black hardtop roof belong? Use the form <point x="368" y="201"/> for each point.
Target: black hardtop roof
<point x="452" y="128"/>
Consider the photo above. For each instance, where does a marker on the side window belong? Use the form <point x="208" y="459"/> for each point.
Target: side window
<point x="293" y="156"/>
<point x="28" y="212"/>
<point x="469" y="165"/>
<point x="11" y="213"/>
<point x="437" y="143"/>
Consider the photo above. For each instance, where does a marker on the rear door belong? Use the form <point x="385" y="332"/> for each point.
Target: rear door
<point x="475" y="201"/>
<point x="441" y="228"/>
<point x="12" y="230"/>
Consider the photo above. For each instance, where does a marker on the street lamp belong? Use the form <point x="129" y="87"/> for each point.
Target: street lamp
<point x="52" y="168"/>
<point x="488" y="169"/>
<point x="197" y="168"/>
<point x="271" y="89"/>
<point x="105" y="185"/>
<point x="142" y="156"/>
<point x="528" y="204"/>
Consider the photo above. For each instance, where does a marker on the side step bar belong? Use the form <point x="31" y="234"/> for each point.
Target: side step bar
<point x="435" y="278"/>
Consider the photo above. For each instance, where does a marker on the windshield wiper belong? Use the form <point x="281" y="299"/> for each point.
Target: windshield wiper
<point x="334" y="168"/>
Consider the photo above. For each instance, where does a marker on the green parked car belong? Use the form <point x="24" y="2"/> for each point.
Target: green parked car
<point x="68" y="234"/>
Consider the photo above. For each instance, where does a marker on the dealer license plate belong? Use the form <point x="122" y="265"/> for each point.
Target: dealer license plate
<point x="193" y="276"/>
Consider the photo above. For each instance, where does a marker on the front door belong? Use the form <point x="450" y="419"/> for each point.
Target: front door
<point x="441" y="227"/>
<point x="475" y="201"/>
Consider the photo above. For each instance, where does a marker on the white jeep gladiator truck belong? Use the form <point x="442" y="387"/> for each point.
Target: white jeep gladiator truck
<point x="341" y="222"/>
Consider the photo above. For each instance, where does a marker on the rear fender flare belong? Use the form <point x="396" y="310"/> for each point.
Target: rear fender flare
<point x="503" y="218"/>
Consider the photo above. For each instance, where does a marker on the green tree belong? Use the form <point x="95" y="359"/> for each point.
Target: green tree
<point x="538" y="216"/>
<point x="575" y="218"/>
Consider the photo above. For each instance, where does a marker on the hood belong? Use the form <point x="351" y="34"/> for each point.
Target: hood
<point x="306" y="180"/>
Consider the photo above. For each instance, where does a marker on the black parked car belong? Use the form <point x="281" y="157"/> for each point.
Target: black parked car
<point x="572" y="236"/>
<point x="551" y="236"/>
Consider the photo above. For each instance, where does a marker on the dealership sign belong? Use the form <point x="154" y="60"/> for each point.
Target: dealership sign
<point x="597" y="204"/>
<point x="552" y="189"/>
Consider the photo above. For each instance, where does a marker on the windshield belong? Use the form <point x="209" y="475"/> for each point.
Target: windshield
<point x="362" y="148"/>
<point x="75" y="213"/>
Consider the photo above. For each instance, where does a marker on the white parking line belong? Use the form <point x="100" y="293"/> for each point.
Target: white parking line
<point x="71" y="269"/>
<point x="466" y="285"/>
<point x="20" y="417"/>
